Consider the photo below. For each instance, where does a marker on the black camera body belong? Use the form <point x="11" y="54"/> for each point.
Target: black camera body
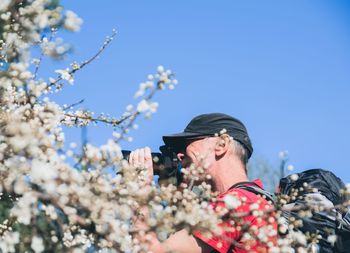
<point x="165" y="165"/>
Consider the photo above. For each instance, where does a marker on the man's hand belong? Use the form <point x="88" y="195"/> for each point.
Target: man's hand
<point x="181" y="241"/>
<point x="142" y="158"/>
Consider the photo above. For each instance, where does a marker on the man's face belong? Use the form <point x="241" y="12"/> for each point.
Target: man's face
<point x="199" y="152"/>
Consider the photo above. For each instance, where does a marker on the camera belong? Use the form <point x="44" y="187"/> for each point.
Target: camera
<point x="165" y="164"/>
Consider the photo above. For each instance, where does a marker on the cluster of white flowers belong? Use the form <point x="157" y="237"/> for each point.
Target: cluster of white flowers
<point x="72" y="22"/>
<point x="145" y="106"/>
<point x="232" y="202"/>
<point x="79" y="204"/>
<point x="54" y="48"/>
<point x="159" y="81"/>
<point x="77" y="118"/>
<point x="37" y="244"/>
<point x="86" y="205"/>
<point x="23" y="21"/>
<point x="4" y="5"/>
<point x="9" y="240"/>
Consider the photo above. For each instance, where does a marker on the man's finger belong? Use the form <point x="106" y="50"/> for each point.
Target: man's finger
<point x="133" y="158"/>
<point x="141" y="157"/>
<point x="148" y="157"/>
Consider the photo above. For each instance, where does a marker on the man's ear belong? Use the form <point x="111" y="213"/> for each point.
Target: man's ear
<point x="222" y="145"/>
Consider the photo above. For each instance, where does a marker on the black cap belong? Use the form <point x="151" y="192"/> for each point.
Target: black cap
<point x="209" y="125"/>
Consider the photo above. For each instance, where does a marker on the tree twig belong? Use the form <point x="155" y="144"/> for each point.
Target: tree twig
<point x="113" y="122"/>
<point x="86" y="62"/>
<point x="72" y="105"/>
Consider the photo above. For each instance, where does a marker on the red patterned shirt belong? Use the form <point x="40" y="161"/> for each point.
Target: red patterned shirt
<point x="248" y="225"/>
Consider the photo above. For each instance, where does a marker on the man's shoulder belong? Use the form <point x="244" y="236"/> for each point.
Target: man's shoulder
<point x="242" y="190"/>
<point x="243" y="199"/>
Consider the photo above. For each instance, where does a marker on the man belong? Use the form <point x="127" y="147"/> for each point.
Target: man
<point x="221" y="144"/>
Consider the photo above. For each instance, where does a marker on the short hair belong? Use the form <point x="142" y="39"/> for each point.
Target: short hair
<point x="240" y="151"/>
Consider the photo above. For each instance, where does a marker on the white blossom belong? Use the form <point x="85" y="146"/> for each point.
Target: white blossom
<point x="65" y="75"/>
<point x="8" y="241"/>
<point x="4" y="4"/>
<point x="5" y="16"/>
<point x="231" y="201"/>
<point x="294" y="177"/>
<point x="290" y="167"/>
<point x="72" y="21"/>
<point x="37" y="244"/>
<point x="42" y="171"/>
<point x="332" y="239"/>
<point x="146" y="106"/>
<point x="160" y="69"/>
<point x="283" y="154"/>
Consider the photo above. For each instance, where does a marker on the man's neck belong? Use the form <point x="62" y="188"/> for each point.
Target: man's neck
<point x="228" y="174"/>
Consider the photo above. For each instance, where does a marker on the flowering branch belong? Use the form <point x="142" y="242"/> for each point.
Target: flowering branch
<point x="86" y="117"/>
<point x="68" y="74"/>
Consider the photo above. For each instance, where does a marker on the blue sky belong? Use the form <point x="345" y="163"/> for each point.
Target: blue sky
<point x="282" y="67"/>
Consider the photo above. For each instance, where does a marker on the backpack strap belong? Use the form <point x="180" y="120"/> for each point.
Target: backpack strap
<point x="254" y="188"/>
<point x="244" y="183"/>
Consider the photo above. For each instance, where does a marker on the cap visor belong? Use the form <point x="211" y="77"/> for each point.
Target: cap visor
<point x="178" y="139"/>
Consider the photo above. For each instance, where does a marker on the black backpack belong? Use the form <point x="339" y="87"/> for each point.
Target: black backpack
<point x="319" y="191"/>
